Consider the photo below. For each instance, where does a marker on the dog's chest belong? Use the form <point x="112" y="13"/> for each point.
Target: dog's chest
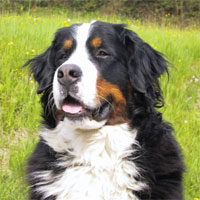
<point x="96" y="166"/>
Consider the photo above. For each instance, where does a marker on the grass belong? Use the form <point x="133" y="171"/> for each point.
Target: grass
<point x="22" y="37"/>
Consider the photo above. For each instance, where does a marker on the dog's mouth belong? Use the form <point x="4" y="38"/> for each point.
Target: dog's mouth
<point x="74" y="109"/>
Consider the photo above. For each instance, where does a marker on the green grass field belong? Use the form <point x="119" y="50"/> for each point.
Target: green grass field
<point x="22" y="37"/>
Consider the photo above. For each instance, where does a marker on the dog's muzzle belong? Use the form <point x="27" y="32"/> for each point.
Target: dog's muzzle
<point x="70" y="103"/>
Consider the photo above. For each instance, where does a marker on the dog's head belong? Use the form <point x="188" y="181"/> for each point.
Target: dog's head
<point x="97" y="73"/>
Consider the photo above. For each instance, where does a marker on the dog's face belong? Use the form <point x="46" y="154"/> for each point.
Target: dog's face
<point x="94" y="73"/>
<point x="89" y="81"/>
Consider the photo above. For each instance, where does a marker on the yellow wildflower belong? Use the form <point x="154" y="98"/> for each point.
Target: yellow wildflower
<point x="10" y="43"/>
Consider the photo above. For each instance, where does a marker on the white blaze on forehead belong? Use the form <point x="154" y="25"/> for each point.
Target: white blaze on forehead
<point x="82" y="34"/>
<point x="80" y="57"/>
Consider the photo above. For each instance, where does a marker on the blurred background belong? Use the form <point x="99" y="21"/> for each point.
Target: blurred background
<point x="180" y="12"/>
<point x="27" y="29"/>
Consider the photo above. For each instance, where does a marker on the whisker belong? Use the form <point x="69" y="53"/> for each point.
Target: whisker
<point x="100" y="87"/>
<point x="50" y="103"/>
<point x="106" y="101"/>
<point x="50" y="88"/>
<point x="53" y="108"/>
<point x="102" y="96"/>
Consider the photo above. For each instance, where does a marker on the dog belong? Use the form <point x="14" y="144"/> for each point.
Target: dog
<point x="102" y="136"/>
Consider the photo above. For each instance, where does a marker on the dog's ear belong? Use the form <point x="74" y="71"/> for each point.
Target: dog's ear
<point x="145" y="65"/>
<point x="41" y="69"/>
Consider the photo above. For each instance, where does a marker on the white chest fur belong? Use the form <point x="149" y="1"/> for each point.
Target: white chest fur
<point x="97" y="168"/>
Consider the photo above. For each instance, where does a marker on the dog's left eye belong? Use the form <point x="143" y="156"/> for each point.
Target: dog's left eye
<point x="101" y="53"/>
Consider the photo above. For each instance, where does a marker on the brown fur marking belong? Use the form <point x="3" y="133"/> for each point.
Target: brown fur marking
<point x="106" y="89"/>
<point x="96" y="42"/>
<point x="68" y="44"/>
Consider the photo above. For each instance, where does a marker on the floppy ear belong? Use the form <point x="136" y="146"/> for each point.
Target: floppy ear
<point x="145" y="65"/>
<point x="42" y="70"/>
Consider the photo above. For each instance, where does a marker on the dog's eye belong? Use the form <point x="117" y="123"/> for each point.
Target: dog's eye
<point x="101" y="53"/>
<point x="63" y="57"/>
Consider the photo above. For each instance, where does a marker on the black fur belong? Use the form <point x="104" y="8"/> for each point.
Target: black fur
<point x="137" y="64"/>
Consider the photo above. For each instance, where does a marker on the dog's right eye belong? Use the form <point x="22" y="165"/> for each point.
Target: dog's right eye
<point x="61" y="59"/>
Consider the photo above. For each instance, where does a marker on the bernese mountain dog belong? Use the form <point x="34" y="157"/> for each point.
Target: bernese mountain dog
<point x="102" y="136"/>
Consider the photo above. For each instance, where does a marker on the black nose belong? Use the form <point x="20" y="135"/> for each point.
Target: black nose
<point x="69" y="74"/>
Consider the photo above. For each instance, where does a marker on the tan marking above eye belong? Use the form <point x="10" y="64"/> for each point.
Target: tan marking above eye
<point x="96" y="42"/>
<point x="68" y="44"/>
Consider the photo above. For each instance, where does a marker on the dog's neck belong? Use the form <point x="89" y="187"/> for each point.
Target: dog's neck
<point x="65" y="137"/>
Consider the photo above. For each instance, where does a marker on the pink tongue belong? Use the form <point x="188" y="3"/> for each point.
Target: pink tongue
<point x="72" y="108"/>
